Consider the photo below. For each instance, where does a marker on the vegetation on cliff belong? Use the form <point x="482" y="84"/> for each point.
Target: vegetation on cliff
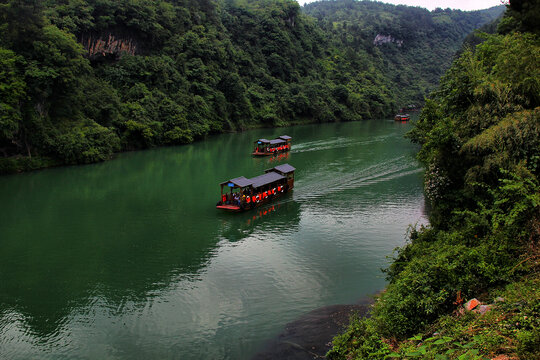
<point x="480" y="142"/>
<point x="415" y="46"/>
<point x="83" y="79"/>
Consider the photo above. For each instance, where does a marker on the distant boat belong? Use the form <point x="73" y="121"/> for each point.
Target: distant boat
<point x="402" y="117"/>
<point x="264" y="147"/>
<point x="240" y="194"/>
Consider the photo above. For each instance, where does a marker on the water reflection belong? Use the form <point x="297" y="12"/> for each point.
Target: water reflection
<point x="112" y="235"/>
<point x="130" y="258"/>
<point x="281" y="216"/>
<point x="279" y="157"/>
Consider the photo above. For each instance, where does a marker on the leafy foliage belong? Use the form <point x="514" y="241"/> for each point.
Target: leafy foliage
<point x="484" y="117"/>
<point x="479" y="137"/>
<point x="510" y="327"/>
<point x="413" y="46"/>
<point x="12" y="91"/>
<point x="360" y="341"/>
<point x="481" y="134"/>
<point x="86" y="78"/>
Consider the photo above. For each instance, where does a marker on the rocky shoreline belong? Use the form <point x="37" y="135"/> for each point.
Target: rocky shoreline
<point x="310" y="336"/>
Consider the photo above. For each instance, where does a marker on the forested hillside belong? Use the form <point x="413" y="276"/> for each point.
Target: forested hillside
<point x="83" y="79"/>
<point x="479" y="134"/>
<point x="416" y="46"/>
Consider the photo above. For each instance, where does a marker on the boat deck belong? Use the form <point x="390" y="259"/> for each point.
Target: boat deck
<point x="257" y="153"/>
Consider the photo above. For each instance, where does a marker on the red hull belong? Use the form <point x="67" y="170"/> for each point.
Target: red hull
<point x="232" y="208"/>
<point x="257" y="153"/>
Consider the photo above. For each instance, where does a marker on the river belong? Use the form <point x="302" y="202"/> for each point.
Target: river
<point x="129" y="259"/>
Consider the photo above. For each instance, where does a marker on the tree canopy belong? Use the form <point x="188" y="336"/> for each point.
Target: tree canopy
<point x="479" y="134"/>
<point x="83" y="79"/>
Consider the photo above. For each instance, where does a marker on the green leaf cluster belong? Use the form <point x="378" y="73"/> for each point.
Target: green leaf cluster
<point x="480" y="141"/>
<point x="419" y="45"/>
<point x="360" y="341"/>
<point x="137" y="74"/>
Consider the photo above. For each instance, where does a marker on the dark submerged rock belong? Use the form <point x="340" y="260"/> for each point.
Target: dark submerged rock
<point x="310" y="336"/>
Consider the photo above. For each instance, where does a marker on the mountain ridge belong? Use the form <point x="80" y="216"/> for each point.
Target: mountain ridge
<point x="86" y="79"/>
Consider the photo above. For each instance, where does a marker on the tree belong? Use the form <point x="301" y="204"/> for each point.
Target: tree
<point x="12" y="92"/>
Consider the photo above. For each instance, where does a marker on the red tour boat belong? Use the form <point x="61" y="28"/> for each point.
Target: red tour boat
<point x="402" y="117"/>
<point x="265" y="147"/>
<point x="240" y="194"/>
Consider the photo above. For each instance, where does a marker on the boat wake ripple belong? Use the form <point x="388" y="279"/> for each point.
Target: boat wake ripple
<point x="339" y="142"/>
<point x="330" y="183"/>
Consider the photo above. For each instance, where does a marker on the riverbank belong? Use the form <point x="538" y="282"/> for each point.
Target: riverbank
<point x="501" y="324"/>
<point x="310" y="336"/>
<point x="21" y="164"/>
<point x="480" y="151"/>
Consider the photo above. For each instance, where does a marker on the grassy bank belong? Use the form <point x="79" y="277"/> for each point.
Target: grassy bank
<point x="510" y="329"/>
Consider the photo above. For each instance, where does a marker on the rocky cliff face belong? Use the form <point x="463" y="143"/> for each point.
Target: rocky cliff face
<point x="384" y="39"/>
<point x="109" y="45"/>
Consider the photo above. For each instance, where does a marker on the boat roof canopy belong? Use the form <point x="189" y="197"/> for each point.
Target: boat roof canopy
<point x="266" y="179"/>
<point x="239" y="181"/>
<point x="270" y="175"/>
<point x="279" y="140"/>
<point x="283" y="169"/>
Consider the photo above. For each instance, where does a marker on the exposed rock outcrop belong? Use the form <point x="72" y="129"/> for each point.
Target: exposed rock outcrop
<point x="109" y="45"/>
<point x="385" y="39"/>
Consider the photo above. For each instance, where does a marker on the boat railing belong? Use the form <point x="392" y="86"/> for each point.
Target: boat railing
<point x="254" y="196"/>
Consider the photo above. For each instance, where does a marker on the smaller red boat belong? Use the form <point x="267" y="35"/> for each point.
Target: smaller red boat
<point x="241" y="194"/>
<point x="264" y="147"/>
<point x="402" y="117"/>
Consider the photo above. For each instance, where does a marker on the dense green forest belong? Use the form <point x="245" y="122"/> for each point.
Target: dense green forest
<point x="415" y="46"/>
<point x="81" y="80"/>
<point x="480" y="142"/>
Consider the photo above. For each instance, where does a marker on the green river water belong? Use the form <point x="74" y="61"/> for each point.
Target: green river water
<point x="129" y="259"/>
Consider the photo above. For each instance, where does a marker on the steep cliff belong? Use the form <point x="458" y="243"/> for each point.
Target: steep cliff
<point x="110" y="44"/>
